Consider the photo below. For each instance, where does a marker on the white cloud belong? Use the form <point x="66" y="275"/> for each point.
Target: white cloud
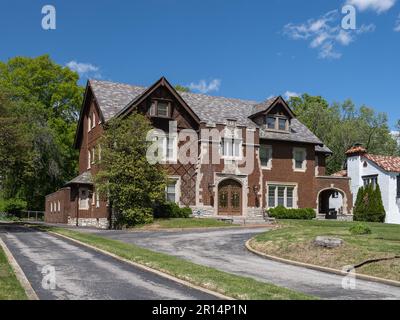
<point x="325" y="34"/>
<point x="84" y="69"/>
<point x="289" y="94"/>
<point x="204" y="87"/>
<point x="397" y="24"/>
<point x="376" y="5"/>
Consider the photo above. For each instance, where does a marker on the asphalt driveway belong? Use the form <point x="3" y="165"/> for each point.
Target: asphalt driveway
<point x="224" y="249"/>
<point x="85" y="274"/>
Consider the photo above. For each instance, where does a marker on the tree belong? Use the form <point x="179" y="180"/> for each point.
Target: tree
<point x="180" y="88"/>
<point x="45" y="99"/>
<point x="132" y="185"/>
<point x="369" y="206"/>
<point x="341" y="125"/>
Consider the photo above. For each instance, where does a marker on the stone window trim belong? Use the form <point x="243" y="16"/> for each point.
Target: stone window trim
<point x="89" y="165"/>
<point x="177" y="181"/>
<point x="297" y="151"/>
<point x="269" y="149"/>
<point x="228" y="146"/>
<point x="285" y="185"/>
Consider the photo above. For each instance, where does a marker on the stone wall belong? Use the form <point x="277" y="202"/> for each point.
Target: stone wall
<point x="101" y="223"/>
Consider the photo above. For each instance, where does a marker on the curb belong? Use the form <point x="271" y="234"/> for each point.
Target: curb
<point x="203" y="229"/>
<point x="145" y="268"/>
<point x="322" y="269"/>
<point x="31" y="294"/>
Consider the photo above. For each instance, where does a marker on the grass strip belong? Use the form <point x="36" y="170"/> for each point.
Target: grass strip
<point x="10" y="288"/>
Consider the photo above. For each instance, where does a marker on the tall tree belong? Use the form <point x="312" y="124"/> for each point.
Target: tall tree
<point x="131" y="184"/>
<point x="341" y="125"/>
<point x="45" y="98"/>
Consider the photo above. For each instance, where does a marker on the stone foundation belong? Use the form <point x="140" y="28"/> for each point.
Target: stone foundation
<point x="100" y="223"/>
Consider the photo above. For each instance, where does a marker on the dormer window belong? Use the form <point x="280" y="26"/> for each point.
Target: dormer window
<point x="160" y="108"/>
<point x="277" y="123"/>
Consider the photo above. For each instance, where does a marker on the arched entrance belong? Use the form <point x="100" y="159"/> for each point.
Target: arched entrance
<point x="230" y="198"/>
<point x="332" y="202"/>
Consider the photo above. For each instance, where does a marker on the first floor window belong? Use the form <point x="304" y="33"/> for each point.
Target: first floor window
<point x="51" y="207"/>
<point x="171" y="191"/>
<point x="370" y="180"/>
<point x="59" y="206"/>
<point x="83" y="199"/>
<point x="279" y="195"/>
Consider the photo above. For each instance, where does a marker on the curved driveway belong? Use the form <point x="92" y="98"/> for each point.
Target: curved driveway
<point x="224" y="249"/>
<point x="85" y="274"/>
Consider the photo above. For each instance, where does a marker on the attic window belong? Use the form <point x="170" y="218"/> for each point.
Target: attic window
<point x="277" y="123"/>
<point x="160" y="108"/>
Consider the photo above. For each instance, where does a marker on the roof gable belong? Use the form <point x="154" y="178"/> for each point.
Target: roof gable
<point x="163" y="82"/>
<point x="266" y="107"/>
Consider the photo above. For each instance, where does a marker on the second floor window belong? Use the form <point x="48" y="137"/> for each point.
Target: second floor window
<point x="231" y="148"/>
<point x="266" y="156"/>
<point x="299" y="159"/>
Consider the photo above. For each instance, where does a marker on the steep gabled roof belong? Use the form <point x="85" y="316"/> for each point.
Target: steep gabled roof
<point x="387" y="163"/>
<point x="298" y="133"/>
<point x="267" y="105"/>
<point x="115" y="98"/>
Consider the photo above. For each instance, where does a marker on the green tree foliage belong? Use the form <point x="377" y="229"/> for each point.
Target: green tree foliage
<point x="180" y="88"/>
<point x="341" y="125"/>
<point x="369" y="206"/>
<point x="133" y="185"/>
<point x="39" y="107"/>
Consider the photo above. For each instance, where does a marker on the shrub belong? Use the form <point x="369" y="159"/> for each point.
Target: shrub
<point x="171" y="210"/>
<point x="369" y="206"/>
<point x="281" y="212"/>
<point x="13" y="206"/>
<point x="135" y="216"/>
<point x="360" y="229"/>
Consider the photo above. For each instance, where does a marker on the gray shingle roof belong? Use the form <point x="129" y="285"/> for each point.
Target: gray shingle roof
<point x="263" y="105"/>
<point x="113" y="97"/>
<point x="84" y="178"/>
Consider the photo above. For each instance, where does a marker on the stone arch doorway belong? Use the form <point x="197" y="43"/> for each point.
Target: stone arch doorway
<point x="332" y="202"/>
<point x="230" y="198"/>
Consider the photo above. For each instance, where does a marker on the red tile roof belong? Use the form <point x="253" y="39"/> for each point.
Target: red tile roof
<point x="355" y="150"/>
<point x="387" y="163"/>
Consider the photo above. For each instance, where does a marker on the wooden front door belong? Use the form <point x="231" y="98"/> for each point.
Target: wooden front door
<point x="230" y="198"/>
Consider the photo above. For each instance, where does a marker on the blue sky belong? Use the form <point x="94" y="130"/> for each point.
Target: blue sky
<point x="234" y="48"/>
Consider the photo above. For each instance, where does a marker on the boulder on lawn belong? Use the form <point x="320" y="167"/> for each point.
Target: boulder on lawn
<point x="328" y="242"/>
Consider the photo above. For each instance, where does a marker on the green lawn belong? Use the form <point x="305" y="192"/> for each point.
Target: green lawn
<point x="10" y="288"/>
<point x="181" y="223"/>
<point x="210" y="278"/>
<point x="294" y="241"/>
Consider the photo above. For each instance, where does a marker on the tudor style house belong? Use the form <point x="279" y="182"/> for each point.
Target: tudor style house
<point x="288" y="160"/>
<point x="364" y="169"/>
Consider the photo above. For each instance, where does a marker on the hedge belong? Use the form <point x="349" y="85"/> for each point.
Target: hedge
<point x="171" y="210"/>
<point x="281" y="212"/>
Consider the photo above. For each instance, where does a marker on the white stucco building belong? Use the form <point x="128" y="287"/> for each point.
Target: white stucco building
<point x="364" y="168"/>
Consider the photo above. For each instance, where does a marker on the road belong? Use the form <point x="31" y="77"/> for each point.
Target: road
<point x="224" y="249"/>
<point x="85" y="274"/>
